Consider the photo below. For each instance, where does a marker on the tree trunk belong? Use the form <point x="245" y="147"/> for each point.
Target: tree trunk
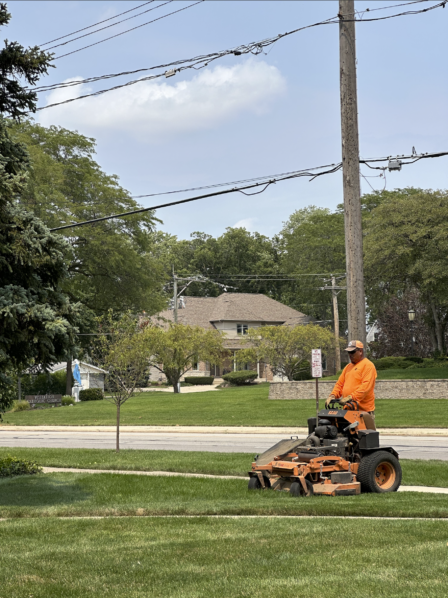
<point x="118" y="428"/>
<point x="176" y="387"/>
<point x="69" y="382"/>
<point x="438" y="328"/>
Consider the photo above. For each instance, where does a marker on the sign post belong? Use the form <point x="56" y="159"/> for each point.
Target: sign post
<point x="316" y="372"/>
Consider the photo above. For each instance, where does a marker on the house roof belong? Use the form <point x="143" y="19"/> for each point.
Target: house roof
<point x="84" y="367"/>
<point x="234" y="307"/>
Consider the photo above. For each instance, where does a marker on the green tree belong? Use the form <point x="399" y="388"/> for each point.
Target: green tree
<point x="313" y="242"/>
<point x="36" y="317"/>
<point x="223" y="259"/>
<point x="119" y="349"/>
<point x="285" y="348"/>
<point x="406" y="248"/>
<point x="111" y="265"/>
<point x="175" y="349"/>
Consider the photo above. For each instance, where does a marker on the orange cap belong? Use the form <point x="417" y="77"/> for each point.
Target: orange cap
<point x="353" y="345"/>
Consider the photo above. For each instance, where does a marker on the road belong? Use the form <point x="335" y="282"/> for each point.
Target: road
<point x="408" y="447"/>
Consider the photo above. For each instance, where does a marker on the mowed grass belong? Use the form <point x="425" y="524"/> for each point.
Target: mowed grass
<point x="415" y="472"/>
<point x="245" y="406"/>
<point x="216" y="558"/>
<point x="109" y="494"/>
<point x="405" y="374"/>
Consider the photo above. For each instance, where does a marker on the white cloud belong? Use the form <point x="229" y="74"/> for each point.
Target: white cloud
<point x="156" y="108"/>
<point x="248" y="223"/>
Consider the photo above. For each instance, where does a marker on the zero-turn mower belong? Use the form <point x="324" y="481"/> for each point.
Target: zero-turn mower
<point x="341" y="456"/>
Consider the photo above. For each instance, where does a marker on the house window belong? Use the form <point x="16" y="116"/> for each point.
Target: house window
<point x="241" y="328"/>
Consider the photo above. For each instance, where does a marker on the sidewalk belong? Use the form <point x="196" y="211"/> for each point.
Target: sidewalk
<point x="442" y="432"/>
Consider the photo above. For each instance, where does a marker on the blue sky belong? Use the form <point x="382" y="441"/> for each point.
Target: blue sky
<point x="245" y="117"/>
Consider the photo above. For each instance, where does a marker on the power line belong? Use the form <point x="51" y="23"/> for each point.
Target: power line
<point x="260" y="182"/>
<point x="112" y="25"/>
<point x="202" y="61"/>
<point x="95" y="24"/>
<point x="133" y="28"/>
<point x="265" y="183"/>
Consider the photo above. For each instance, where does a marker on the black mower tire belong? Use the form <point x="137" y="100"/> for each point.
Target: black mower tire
<point x="296" y="489"/>
<point x="379" y="472"/>
<point x="254" y="483"/>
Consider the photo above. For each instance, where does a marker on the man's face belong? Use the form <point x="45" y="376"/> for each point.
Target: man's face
<point x="356" y="356"/>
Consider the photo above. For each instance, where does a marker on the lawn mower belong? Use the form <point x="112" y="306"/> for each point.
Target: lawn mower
<point x="341" y="456"/>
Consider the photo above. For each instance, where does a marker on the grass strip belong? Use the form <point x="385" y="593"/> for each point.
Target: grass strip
<point x="245" y="406"/>
<point x="415" y="472"/>
<point x="223" y="559"/>
<point x="79" y="494"/>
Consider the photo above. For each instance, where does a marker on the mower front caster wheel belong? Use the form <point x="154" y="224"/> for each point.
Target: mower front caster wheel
<point x="297" y="489"/>
<point x="254" y="483"/>
<point x="379" y="472"/>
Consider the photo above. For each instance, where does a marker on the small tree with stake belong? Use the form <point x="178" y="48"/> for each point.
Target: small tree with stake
<point x="119" y="349"/>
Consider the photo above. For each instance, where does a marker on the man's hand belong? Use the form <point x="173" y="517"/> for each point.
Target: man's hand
<point x="327" y="402"/>
<point x="345" y="400"/>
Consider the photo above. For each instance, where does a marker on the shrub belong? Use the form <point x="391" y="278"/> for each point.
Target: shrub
<point x="43" y="384"/>
<point x="20" y="406"/>
<point x="67" y="400"/>
<point x="305" y="371"/>
<point x="91" y="394"/>
<point x="241" y="377"/>
<point x="198" y="380"/>
<point x="392" y="363"/>
<point x="10" y="466"/>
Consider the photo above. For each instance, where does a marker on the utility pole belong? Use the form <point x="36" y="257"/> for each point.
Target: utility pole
<point x="335" y="290"/>
<point x="175" y="297"/>
<point x="337" y="348"/>
<point x="350" y="173"/>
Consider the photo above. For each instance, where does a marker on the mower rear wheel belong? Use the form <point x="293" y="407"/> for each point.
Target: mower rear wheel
<point x="379" y="472"/>
<point x="297" y="489"/>
<point x="254" y="483"/>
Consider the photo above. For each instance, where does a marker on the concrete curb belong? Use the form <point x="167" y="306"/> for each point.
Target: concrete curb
<point x="425" y="489"/>
<point x="287" y="431"/>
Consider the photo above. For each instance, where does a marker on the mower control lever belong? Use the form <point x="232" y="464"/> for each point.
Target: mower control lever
<point x="351" y="426"/>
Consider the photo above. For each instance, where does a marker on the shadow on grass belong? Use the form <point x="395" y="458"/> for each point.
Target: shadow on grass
<point x="39" y="491"/>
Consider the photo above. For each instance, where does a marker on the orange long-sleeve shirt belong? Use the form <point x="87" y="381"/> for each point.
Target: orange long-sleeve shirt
<point x="358" y="380"/>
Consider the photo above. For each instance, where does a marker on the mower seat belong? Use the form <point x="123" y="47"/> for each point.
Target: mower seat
<point x="368" y="420"/>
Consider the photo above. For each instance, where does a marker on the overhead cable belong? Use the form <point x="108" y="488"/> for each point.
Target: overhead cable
<point x="260" y="182"/>
<point x="112" y="25"/>
<point x="133" y="28"/>
<point x="95" y="24"/>
<point x="201" y="61"/>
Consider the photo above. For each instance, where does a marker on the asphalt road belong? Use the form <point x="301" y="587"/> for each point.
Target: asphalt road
<point x="408" y="447"/>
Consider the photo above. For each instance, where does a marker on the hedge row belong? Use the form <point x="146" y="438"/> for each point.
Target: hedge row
<point x="198" y="380"/>
<point x="91" y="394"/>
<point x="241" y="377"/>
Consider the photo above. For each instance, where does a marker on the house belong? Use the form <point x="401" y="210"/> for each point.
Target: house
<point x="233" y="314"/>
<point x="91" y="376"/>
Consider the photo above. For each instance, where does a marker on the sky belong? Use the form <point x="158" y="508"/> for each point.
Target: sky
<point x="243" y="116"/>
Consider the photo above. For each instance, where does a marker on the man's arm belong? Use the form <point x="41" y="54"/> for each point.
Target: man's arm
<point x="367" y="383"/>
<point x="337" y="389"/>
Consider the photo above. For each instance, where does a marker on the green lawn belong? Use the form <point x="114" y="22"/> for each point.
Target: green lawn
<point x="415" y="472"/>
<point x="109" y="494"/>
<point x="246" y="406"/>
<point x="405" y="374"/>
<point x="198" y="558"/>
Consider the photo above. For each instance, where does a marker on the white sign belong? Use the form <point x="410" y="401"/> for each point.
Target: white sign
<point x="316" y="363"/>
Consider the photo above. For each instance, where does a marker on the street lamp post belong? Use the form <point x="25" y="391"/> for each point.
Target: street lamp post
<point x="411" y="316"/>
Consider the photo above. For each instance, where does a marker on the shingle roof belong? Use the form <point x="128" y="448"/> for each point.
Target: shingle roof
<point x="232" y="307"/>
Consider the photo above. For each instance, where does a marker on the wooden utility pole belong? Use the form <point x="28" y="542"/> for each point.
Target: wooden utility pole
<point x="356" y="307"/>
<point x="175" y="297"/>
<point x="337" y="348"/>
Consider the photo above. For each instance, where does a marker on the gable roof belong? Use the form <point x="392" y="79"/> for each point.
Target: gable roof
<point x="234" y="307"/>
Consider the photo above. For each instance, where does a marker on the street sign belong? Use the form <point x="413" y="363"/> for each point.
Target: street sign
<point x="316" y="363"/>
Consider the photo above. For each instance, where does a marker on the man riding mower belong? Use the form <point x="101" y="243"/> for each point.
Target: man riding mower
<point x="340" y="456"/>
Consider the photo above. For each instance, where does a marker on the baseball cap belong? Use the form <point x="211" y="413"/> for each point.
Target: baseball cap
<point x="353" y="345"/>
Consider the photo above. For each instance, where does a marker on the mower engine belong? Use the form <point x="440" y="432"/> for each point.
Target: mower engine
<point x="341" y="456"/>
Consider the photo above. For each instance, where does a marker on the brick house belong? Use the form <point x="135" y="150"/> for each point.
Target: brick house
<point x="233" y="314"/>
